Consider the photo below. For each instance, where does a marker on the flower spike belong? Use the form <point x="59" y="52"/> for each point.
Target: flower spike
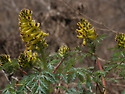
<point x="63" y="50"/>
<point x="4" y="59"/>
<point x="120" y="39"/>
<point x="30" y="31"/>
<point x="27" y="59"/>
<point x="85" y="31"/>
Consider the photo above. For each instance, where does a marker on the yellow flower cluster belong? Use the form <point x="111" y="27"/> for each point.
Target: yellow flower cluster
<point x="30" y="31"/>
<point x="85" y="31"/>
<point x="4" y="59"/>
<point x="27" y="59"/>
<point x="63" y="50"/>
<point x="120" y="39"/>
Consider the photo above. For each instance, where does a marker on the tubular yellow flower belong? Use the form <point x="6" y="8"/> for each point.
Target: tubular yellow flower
<point x="27" y="38"/>
<point x="63" y="50"/>
<point x="27" y="59"/>
<point x="120" y="39"/>
<point x="4" y="59"/>
<point x="85" y="31"/>
<point x="30" y="31"/>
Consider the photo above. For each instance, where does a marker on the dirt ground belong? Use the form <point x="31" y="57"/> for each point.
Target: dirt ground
<point x="59" y="18"/>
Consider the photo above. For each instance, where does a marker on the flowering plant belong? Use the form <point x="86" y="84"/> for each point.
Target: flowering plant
<point x="58" y="71"/>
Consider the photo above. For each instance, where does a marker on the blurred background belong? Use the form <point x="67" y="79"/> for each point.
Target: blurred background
<point x="59" y="18"/>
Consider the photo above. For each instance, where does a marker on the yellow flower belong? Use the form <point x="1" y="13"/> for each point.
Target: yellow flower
<point x="30" y="31"/>
<point x="4" y="59"/>
<point x="63" y="50"/>
<point x="120" y="39"/>
<point x="27" y="59"/>
<point x="85" y="31"/>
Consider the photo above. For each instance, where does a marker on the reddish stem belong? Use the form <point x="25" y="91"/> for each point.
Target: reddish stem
<point x="103" y="80"/>
<point x="37" y="69"/>
<point x="22" y="71"/>
<point x="58" y="65"/>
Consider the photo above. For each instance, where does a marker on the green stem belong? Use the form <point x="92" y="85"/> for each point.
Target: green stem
<point x="93" y="48"/>
<point x="43" y="56"/>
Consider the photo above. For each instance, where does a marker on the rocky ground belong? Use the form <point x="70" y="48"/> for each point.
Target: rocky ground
<point x="59" y="18"/>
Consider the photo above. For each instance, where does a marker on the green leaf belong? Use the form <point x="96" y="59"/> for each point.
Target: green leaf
<point x="64" y="77"/>
<point x="9" y="89"/>
<point x="81" y="78"/>
<point x="44" y="84"/>
<point x="49" y="79"/>
<point x="83" y="55"/>
<point x="88" y="82"/>
<point x="51" y="75"/>
<point x="71" y="77"/>
<point x="34" y="85"/>
<point x="123" y="92"/>
<point x="111" y="79"/>
<point x="100" y="38"/>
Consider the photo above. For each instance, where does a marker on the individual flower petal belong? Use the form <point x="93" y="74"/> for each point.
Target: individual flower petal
<point x="79" y="36"/>
<point x="84" y="41"/>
